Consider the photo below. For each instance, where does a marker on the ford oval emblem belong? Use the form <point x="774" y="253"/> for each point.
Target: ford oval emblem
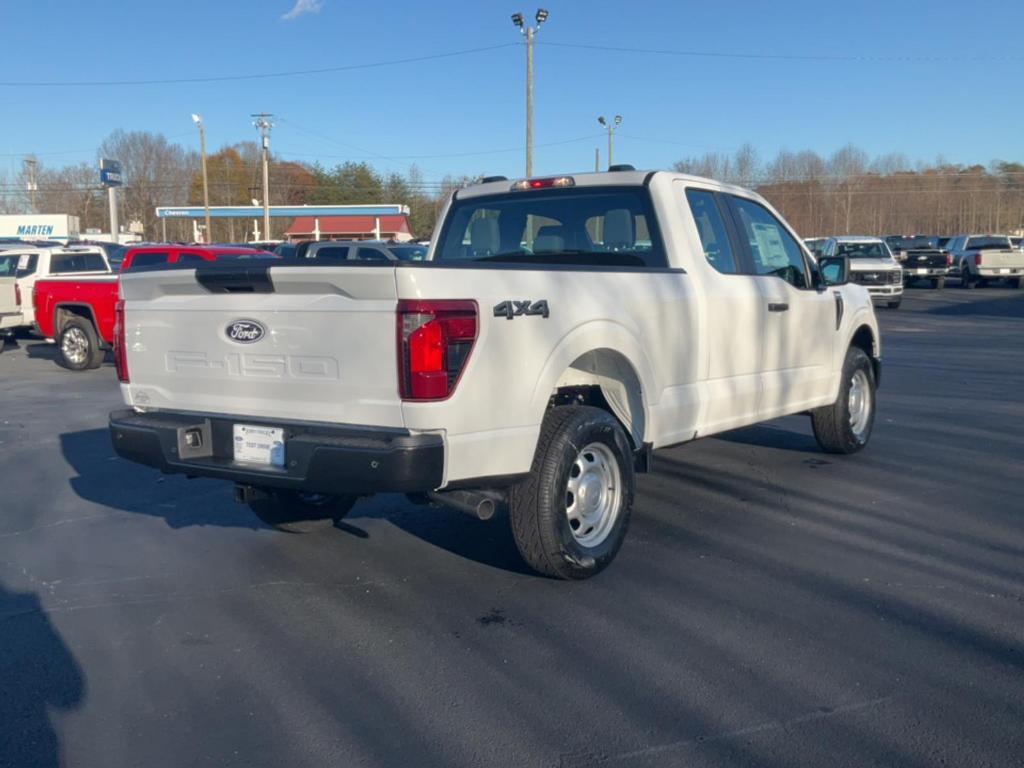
<point x="245" y="331"/>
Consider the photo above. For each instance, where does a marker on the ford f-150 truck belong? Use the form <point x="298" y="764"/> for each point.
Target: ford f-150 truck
<point x="871" y="265"/>
<point x="980" y="258"/>
<point x="77" y="311"/>
<point x="559" y="331"/>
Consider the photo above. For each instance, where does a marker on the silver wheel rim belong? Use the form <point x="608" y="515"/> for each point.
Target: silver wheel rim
<point x="74" y="345"/>
<point x="593" y="495"/>
<point x="859" y="403"/>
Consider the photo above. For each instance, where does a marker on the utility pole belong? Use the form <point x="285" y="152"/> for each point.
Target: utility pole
<point x="198" y="120"/>
<point x="529" y="33"/>
<point x="597" y="159"/>
<point x="31" y="184"/>
<point x="611" y="125"/>
<point x="263" y="124"/>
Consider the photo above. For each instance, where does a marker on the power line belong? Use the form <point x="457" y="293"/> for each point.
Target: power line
<point x="778" y="56"/>
<point x="588" y="137"/>
<point x="260" y="76"/>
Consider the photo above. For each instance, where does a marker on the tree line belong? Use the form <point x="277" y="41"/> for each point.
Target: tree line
<point x="847" y="192"/>
<point x="851" y="193"/>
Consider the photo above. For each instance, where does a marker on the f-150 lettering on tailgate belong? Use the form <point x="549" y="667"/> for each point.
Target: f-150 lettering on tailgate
<point x="254" y="365"/>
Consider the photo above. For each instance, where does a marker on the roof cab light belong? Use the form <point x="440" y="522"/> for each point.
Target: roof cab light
<point x="435" y="339"/>
<point x="557" y="181"/>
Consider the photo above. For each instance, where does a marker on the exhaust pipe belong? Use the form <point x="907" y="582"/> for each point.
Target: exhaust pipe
<point x="480" y="504"/>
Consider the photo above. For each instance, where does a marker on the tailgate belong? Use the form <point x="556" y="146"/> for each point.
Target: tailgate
<point x="8" y="302"/>
<point x="1002" y="259"/>
<point x="265" y="342"/>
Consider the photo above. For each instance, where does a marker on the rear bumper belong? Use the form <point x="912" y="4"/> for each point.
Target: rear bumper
<point x="913" y="273"/>
<point x="994" y="272"/>
<point x="320" y="458"/>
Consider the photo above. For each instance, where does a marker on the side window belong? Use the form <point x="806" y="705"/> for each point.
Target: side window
<point x="93" y="262"/>
<point x="62" y="264"/>
<point x="149" y="259"/>
<point x="331" y="253"/>
<point x="714" y="237"/>
<point x="775" y="252"/>
<point x="27" y="264"/>
<point x="370" y="254"/>
<point x="191" y="258"/>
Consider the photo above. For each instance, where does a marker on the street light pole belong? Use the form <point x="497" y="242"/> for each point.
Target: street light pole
<point x="529" y="33"/>
<point x="198" y="120"/>
<point x="611" y="126"/>
<point x="264" y="125"/>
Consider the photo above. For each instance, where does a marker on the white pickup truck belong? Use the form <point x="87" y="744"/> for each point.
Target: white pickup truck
<point x="559" y="331"/>
<point x="980" y="258"/>
<point x="10" y="307"/>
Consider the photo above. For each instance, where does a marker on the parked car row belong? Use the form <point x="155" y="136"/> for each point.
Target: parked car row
<point x="886" y="265"/>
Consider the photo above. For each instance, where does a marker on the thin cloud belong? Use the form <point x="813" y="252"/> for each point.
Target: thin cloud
<point x="302" y="7"/>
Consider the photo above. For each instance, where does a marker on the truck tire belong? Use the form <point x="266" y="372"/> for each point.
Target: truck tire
<point x="1015" y="282"/>
<point x="845" y="425"/>
<point x="570" y="515"/>
<point x="78" y="346"/>
<point x="938" y="283"/>
<point x="295" y="512"/>
<point x="894" y="304"/>
<point x="965" y="278"/>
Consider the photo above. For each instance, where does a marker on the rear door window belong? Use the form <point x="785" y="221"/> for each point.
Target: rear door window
<point x="714" y="237"/>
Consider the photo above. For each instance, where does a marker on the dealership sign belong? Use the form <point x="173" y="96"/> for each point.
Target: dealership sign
<point x="110" y="173"/>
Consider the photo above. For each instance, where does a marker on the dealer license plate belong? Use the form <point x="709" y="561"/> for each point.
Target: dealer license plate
<point x="922" y="271"/>
<point x="1004" y="271"/>
<point x="259" y="445"/>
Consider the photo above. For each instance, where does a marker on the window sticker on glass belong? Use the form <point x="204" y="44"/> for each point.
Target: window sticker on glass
<point x="770" y="245"/>
<point x="23" y="260"/>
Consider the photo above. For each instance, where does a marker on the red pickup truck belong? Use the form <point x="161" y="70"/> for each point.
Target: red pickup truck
<point x="78" y="312"/>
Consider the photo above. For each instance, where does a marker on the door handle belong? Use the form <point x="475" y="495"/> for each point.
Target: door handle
<point x="779" y="306"/>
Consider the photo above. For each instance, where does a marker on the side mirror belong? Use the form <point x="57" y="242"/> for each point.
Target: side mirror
<point x="835" y="270"/>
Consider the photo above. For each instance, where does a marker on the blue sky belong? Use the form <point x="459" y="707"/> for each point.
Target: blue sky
<point x="967" y="110"/>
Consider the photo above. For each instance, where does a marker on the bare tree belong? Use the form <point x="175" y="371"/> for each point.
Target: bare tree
<point x="156" y="173"/>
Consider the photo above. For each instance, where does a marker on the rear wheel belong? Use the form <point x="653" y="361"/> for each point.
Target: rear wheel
<point x="298" y="512"/>
<point x="78" y="346"/>
<point x="1015" y="282"/>
<point x="938" y="283"/>
<point x="965" y="278"/>
<point x="845" y="425"/>
<point x="569" y="516"/>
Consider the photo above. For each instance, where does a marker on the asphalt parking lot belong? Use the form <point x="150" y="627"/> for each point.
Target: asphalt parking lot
<point x="772" y="606"/>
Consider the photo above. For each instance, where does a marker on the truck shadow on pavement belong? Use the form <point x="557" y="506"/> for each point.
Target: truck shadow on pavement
<point x="1001" y="306"/>
<point x="38" y="673"/>
<point x="103" y="478"/>
<point x="765" y="436"/>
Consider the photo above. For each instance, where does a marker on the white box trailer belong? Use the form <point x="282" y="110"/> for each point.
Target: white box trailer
<point x="39" y="226"/>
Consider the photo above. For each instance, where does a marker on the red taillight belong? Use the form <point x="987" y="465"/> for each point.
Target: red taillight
<point x="120" y="353"/>
<point x="977" y="259"/>
<point x="949" y="259"/>
<point x="17" y="295"/>
<point x="434" y="342"/>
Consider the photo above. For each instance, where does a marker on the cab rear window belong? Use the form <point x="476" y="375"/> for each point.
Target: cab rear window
<point x="596" y="226"/>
